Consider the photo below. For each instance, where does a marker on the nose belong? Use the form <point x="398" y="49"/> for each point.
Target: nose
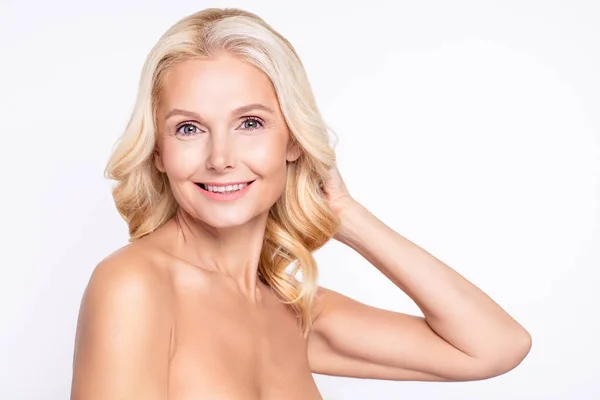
<point x="221" y="157"/>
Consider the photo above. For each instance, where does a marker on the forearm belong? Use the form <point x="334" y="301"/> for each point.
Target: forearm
<point x="453" y="307"/>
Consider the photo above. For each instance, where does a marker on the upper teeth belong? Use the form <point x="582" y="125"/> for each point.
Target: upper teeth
<point x="229" y="188"/>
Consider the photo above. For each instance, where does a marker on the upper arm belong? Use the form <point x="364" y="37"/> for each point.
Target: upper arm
<point x="123" y="335"/>
<point x="349" y="338"/>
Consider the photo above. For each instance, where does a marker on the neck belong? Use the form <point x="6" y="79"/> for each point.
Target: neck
<point x="233" y="252"/>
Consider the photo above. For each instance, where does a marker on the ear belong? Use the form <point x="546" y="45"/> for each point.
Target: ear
<point x="293" y="151"/>
<point x="158" y="161"/>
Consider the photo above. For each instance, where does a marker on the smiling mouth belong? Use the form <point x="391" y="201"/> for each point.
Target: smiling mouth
<point x="223" y="188"/>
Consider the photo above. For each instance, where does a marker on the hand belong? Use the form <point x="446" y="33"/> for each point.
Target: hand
<point x="336" y="193"/>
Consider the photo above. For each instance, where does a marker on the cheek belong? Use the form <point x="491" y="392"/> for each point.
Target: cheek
<point x="180" y="160"/>
<point x="269" y="162"/>
<point x="267" y="156"/>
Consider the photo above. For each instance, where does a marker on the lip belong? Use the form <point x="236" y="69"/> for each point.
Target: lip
<point x="225" y="183"/>
<point x="222" y="196"/>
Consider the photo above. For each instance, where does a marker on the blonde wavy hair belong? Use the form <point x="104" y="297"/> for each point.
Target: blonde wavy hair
<point x="300" y="221"/>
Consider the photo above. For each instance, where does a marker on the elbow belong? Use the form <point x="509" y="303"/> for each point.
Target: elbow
<point x="517" y="349"/>
<point x="506" y="357"/>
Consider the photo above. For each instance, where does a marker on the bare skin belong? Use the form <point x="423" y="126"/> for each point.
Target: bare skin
<point x="208" y="340"/>
<point x="181" y="314"/>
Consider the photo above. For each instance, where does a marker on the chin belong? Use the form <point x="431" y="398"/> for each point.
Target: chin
<point x="226" y="220"/>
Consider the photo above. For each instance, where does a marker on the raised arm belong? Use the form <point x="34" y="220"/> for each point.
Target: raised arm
<point x="464" y="334"/>
<point x="123" y="335"/>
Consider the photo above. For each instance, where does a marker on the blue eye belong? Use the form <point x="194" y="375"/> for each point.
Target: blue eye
<point x="189" y="129"/>
<point x="252" y="123"/>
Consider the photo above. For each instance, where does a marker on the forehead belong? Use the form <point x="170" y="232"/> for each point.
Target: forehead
<point x="215" y="85"/>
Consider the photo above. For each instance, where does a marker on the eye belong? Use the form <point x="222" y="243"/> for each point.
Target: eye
<point x="188" y="129"/>
<point x="252" y="123"/>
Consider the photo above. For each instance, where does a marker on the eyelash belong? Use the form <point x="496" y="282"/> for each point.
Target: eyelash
<point x="247" y="119"/>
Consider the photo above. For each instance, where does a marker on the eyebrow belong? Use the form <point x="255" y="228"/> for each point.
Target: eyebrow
<point x="238" y="111"/>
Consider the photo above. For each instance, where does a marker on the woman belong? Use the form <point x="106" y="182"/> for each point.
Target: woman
<point x="227" y="181"/>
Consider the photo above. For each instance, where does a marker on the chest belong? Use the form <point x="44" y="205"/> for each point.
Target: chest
<point x="227" y="350"/>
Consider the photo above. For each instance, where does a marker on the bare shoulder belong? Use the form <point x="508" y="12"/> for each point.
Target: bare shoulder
<point x="133" y="267"/>
<point x="125" y="320"/>
<point x="128" y="278"/>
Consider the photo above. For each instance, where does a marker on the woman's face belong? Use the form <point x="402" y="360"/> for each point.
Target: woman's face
<point x="219" y="125"/>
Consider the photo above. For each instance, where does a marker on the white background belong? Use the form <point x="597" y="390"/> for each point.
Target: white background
<point x="472" y="128"/>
